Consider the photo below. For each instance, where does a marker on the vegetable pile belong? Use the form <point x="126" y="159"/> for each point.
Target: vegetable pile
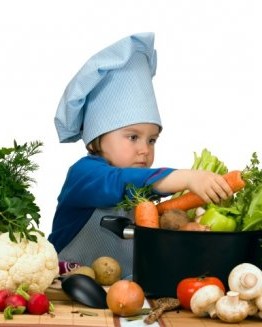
<point x="243" y="212"/>
<point x="188" y="286"/>
<point x="26" y="256"/>
<point x="244" y="298"/>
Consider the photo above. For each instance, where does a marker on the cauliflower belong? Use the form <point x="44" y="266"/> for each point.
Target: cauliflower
<point x="33" y="263"/>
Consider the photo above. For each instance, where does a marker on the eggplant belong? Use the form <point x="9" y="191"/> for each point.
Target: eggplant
<point x="85" y="290"/>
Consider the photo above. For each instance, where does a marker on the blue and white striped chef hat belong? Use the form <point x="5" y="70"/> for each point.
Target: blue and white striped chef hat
<point x="112" y="90"/>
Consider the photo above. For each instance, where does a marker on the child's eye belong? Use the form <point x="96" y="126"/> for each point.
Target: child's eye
<point x="133" y="137"/>
<point x="152" y="141"/>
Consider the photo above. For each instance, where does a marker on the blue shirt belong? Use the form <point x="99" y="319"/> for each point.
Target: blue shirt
<point x="92" y="183"/>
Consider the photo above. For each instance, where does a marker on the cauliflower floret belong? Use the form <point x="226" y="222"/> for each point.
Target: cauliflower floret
<point x="33" y="263"/>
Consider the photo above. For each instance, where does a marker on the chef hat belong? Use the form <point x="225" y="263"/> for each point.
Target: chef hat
<point x="112" y="90"/>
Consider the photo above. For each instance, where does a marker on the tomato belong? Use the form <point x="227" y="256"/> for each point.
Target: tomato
<point x="188" y="286"/>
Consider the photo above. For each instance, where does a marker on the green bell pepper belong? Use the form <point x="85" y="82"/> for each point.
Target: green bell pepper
<point x="217" y="221"/>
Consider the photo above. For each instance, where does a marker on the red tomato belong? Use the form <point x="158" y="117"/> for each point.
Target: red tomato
<point x="187" y="287"/>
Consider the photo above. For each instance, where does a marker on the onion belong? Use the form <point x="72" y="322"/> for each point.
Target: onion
<point x="125" y="298"/>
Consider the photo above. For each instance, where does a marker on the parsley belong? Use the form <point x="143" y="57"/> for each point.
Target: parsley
<point x="18" y="210"/>
<point x="248" y="201"/>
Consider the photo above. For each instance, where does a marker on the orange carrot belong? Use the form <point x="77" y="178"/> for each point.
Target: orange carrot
<point x="190" y="200"/>
<point x="146" y="214"/>
<point x="235" y="180"/>
<point x="141" y="200"/>
<point x="184" y="202"/>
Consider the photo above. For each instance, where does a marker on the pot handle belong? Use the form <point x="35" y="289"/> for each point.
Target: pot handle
<point x="120" y="226"/>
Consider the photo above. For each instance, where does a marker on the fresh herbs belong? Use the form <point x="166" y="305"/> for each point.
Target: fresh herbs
<point x="249" y="200"/>
<point x="135" y="195"/>
<point x="246" y="206"/>
<point x="18" y="210"/>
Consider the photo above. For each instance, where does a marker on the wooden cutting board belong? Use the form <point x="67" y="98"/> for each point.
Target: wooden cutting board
<point x="67" y="314"/>
<point x="64" y="316"/>
<point x="104" y="318"/>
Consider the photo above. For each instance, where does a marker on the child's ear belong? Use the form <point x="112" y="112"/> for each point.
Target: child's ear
<point x="90" y="148"/>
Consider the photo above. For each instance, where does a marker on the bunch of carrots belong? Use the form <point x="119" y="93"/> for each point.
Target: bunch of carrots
<point x="147" y="213"/>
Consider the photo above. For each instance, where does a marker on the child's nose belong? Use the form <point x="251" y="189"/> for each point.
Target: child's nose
<point x="144" y="148"/>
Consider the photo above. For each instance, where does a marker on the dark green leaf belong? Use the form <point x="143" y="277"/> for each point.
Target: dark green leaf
<point x="18" y="210"/>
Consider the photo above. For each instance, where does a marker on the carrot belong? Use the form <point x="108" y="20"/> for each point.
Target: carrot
<point x="191" y="200"/>
<point x="184" y="202"/>
<point x="145" y="210"/>
<point x="146" y="214"/>
<point x="235" y="180"/>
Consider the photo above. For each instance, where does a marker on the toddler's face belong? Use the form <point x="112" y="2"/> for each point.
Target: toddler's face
<point x="131" y="146"/>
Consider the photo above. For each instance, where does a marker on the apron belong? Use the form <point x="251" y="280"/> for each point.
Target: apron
<point x="94" y="241"/>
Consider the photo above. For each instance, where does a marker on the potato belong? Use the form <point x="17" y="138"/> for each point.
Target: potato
<point x="84" y="270"/>
<point x="173" y="219"/>
<point x="107" y="270"/>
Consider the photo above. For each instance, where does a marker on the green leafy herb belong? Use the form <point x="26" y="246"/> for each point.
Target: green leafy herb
<point x="134" y="195"/>
<point x="248" y="201"/>
<point x="253" y="218"/>
<point x="246" y="205"/>
<point x="18" y="210"/>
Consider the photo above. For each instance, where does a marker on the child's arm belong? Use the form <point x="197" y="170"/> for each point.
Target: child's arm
<point x="209" y="186"/>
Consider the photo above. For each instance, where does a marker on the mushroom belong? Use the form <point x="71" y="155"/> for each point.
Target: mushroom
<point x="246" y="279"/>
<point x="230" y="308"/>
<point x="204" y="299"/>
<point x="252" y="308"/>
<point x="258" y="302"/>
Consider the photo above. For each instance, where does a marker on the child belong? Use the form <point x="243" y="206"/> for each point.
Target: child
<point x="110" y="104"/>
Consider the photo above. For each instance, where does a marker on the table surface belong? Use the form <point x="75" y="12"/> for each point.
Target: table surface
<point x="64" y="316"/>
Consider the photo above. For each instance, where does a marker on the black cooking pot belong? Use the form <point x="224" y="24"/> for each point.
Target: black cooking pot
<point x="164" y="257"/>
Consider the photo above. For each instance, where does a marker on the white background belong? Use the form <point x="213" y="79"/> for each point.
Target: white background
<point x="208" y="82"/>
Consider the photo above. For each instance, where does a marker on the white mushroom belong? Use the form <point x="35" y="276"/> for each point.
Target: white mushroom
<point x="204" y="299"/>
<point x="252" y="308"/>
<point x="259" y="314"/>
<point x="246" y="279"/>
<point x="258" y="302"/>
<point x="230" y="308"/>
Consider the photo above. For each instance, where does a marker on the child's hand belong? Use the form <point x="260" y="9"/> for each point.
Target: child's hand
<point x="209" y="186"/>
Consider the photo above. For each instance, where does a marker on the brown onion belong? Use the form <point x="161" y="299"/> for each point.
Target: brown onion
<point x="125" y="298"/>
